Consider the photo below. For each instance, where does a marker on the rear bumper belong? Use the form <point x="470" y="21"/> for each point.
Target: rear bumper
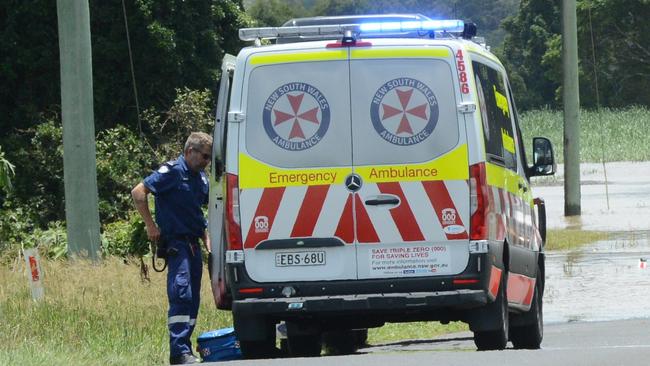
<point x="387" y="303"/>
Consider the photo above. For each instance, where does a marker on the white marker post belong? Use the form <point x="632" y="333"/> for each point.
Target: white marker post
<point x="34" y="273"/>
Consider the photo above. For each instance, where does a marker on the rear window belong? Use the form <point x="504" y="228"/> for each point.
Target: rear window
<point x="495" y="114"/>
<point x="296" y="117"/>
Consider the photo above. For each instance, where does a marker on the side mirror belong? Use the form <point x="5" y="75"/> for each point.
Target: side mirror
<point x="544" y="162"/>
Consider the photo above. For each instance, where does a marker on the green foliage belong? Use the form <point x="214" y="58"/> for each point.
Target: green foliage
<point x="525" y="45"/>
<point x="34" y="210"/>
<point x="190" y="112"/>
<point x="6" y="172"/>
<point x="175" y="44"/>
<point x="15" y="226"/>
<point x="38" y="155"/>
<point x="125" y="238"/>
<point x="612" y="49"/>
<point x="273" y="13"/>
<point x="122" y="160"/>
<point x="53" y="241"/>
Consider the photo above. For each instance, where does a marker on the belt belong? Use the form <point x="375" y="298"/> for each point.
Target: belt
<point x="188" y="238"/>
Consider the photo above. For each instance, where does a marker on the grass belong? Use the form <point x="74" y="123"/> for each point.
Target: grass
<point x="612" y="134"/>
<point x="91" y="315"/>
<point x="394" y="332"/>
<point x="572" y="239"/>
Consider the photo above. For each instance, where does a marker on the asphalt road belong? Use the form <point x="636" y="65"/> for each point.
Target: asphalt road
<point x="624" y="342"/>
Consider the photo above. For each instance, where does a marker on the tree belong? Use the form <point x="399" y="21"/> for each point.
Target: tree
<point x="175" y="44"/>
<point x="274" y="13"/>
<point x="613" y="51"/>
<point x="619" y="56"/>
<point x="530" y="33"/>
<point x="6" y="171"/>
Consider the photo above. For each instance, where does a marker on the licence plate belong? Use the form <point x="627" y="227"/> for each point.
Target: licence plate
<point x="290" y="259"/>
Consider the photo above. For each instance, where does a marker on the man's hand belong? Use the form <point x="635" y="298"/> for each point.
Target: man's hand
<point x="153" y="233"/>
<point x="140" y="193"/>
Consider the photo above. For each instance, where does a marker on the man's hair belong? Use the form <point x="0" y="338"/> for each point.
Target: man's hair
<point x="198" y="140"/>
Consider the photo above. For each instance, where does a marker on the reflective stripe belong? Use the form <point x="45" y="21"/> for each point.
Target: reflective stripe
<point x="192" y="322"/>
<point x="450" y="166"/>
<point x="278" y="58"/>
<point x="400" y="53"/>
<point x="178" y="319"/>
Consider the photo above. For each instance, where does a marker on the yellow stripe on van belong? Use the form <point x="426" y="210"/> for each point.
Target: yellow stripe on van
<point x="280" y="58"/>
<point x="400" y="52"/>
<point x="504" y="178"/>
<point x="255" y="174"/>
<point x="451" y="166"/>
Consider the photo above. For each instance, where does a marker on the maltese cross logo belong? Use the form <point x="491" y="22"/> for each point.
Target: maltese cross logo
<point x="296" y="116"/>
<point x="404" y="111"/>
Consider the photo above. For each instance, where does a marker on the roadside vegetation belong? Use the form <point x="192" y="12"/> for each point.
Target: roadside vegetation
<point x="606" y="135"/>
<point x="102" y="314"/>
<point x="568" y="239"/>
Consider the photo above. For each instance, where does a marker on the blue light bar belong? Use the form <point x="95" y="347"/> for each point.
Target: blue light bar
<point x="452" y="26"/>
<point x="372" y="29"/>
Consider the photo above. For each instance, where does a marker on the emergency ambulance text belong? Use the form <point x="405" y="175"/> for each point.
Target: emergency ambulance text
<point x="404" y="172"/>
<point x="302" y="178"/>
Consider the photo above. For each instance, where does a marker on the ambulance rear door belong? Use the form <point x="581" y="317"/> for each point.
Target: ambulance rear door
<point x="410" y="161"/>
<point x="295" y="152"/>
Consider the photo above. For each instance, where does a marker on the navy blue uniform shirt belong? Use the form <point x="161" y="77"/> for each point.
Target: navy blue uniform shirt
<point x="179" y="194"/>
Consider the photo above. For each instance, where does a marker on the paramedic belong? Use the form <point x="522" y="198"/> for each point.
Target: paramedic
<point x="180" y="188"/>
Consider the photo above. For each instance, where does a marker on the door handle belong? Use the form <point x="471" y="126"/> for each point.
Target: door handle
<point x="382" y="199"/>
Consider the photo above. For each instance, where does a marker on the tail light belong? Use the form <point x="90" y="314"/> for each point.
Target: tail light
<point x="233" y="226"/>
<point x="478" y="202"/>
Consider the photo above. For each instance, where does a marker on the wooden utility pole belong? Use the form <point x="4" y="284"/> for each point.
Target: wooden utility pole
<point x="571" y="103"/>
<point x="79" y="166"/>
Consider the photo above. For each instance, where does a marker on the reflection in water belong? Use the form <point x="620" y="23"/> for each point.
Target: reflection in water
<point x="602" y="281"/>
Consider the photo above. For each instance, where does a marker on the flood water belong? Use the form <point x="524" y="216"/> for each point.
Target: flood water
<point x="601" y="281"/>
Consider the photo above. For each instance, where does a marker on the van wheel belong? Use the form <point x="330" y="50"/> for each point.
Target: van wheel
<point x="344" y="342"/>
<point x="304" y="345"/>
<point x="258" y="349"/>
<point x="361" y="337"/>
<point x="495" y="339"/>
<point x="529" y="336"/>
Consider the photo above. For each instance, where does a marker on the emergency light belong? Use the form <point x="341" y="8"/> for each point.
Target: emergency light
<point x="367" y="29"/>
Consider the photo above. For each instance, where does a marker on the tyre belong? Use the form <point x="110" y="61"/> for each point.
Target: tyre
<point x="304" y="345"/>
<point x="495" y="339"/>
<point x="361" y="337"/>
<point x="256" y="336"/>
<point x="530" y="335"/>
<point x="344" y="342"/>
<point x="258" y="349"/>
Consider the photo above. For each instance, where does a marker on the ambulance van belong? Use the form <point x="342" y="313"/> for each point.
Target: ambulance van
<point x="373" y="170"/>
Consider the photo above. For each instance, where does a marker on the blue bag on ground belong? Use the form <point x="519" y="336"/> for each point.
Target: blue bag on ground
<point x="219" y="345"/>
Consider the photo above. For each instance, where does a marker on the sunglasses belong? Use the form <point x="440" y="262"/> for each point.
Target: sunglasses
<point x="203" y="155"/>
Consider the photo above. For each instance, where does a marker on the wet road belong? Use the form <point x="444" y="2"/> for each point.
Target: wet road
<point x="623" y="204"/>
<point x="603" y="281"/>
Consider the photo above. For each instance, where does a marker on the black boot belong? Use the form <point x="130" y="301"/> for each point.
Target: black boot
<point x="183" y="359"/>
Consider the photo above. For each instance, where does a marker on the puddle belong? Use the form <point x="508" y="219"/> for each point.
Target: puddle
<point x="603" y="281"/>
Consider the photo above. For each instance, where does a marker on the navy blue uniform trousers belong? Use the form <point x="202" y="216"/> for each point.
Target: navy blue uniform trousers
<point x="185" y="269"/>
